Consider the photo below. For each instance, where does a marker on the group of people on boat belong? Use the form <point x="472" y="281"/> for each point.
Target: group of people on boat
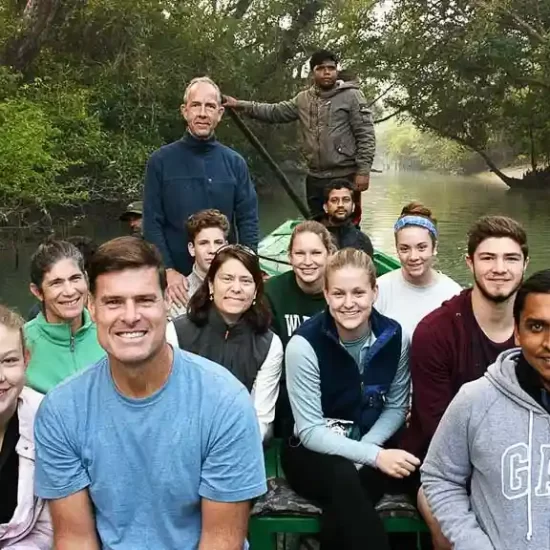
<point x="137" y="400"/>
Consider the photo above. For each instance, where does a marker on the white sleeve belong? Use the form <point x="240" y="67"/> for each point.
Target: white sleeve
<point x="171" y="335"/>
<point x="266" y="386"/>
<point x="381" y="303"/>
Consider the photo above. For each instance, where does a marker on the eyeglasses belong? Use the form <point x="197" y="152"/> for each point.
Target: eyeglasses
<point x="240" y="247"/>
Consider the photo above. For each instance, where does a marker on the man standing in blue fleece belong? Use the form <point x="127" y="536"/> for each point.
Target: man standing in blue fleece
<point x="487" y="473"/>
<point x="192" y="174"/>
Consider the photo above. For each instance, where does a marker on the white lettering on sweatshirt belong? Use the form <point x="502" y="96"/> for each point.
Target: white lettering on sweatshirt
<point x="293" y="321"/>
<point x="516" y="471"/>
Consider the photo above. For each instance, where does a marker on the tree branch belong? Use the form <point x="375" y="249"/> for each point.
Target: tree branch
<point x="39" y="18"/>
<point x="289" y="43"/>
<point x="385" y="92"/>
<point x="508" y="180"/>
<point x="241" y="8"/>
<point x="529" y="81"/>
<point x="519" y="23"/>
<point x="395" y="113"/>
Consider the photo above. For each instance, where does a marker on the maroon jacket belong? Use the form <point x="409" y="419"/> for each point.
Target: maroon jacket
<point x="445" y="354"/>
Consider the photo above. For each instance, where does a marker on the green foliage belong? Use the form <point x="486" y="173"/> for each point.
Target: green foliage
<point x="475" y="71"/>
<point x="29" y="161"/>
<point x="99" y="83"/>
<point x="110" y="75"/>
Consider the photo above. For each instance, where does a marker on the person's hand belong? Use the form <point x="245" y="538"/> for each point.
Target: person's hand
<point x="396" y="463"/>
<point x="439" y="542"/>
<point x="228" y="101"/>
<point x="177" y="288"/>
<point x="361" y="182"/>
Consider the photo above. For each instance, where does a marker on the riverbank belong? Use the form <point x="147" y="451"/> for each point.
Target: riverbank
<point x="513" y="172"/>
<point x="519" y="178"/>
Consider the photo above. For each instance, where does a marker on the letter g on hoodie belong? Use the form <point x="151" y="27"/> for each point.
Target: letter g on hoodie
<point x="495" y="436"/>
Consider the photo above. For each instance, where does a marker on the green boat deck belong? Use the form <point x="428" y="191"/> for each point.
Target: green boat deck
<point x="275" y="247"/>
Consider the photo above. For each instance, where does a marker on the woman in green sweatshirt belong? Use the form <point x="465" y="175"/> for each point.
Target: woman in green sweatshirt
<point x="297" y="295"/>
<point x="62" y="339"/>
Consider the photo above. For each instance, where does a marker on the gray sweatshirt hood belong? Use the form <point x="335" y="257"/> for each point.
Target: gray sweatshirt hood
<point x="502" y="374"/>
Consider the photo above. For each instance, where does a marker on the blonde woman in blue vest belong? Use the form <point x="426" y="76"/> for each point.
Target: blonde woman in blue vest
<point x="348" y="382"/>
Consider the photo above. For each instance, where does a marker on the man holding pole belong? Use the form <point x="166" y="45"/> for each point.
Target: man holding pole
<point x="336" y="125"/>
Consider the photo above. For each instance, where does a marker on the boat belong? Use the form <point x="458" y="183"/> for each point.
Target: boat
<point x="273" y="248"/>
<point x="273" y="252"/>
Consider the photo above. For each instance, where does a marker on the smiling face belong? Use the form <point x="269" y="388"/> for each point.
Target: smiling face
<point x="350" y="296"/>
<point x="12" y="368"/>
<point x="64" y="292"/>
<point x="308" y="258"/>
<point x="130" y="312"/>
<point x="233" y="290"/>
<point x="202" y="110"/>
<point x="533" y="334"/>
<point x="498" y="266"/>
<point x="339" y="206"/>
<point x="416" y="252"/>
<point x="205" y="246"/>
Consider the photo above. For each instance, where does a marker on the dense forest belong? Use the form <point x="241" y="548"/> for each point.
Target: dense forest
<point x="88" y="88"/>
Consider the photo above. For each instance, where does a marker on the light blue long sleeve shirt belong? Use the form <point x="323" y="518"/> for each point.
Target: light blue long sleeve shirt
<point x="304" y="389"/>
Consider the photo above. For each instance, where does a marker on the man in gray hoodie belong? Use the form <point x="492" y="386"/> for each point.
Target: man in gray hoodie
<point x="487" y="473"/>
<point x="336" y="128"/>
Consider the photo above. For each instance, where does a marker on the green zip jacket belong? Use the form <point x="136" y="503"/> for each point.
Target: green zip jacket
<point x="56" y="353"/>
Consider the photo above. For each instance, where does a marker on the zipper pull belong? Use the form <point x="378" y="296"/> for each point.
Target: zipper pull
<point x="226" y="334"/>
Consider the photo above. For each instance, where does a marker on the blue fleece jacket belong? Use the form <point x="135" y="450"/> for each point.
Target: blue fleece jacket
<point x="190" y="175"/>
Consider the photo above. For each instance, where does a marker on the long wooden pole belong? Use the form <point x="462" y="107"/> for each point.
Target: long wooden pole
<point x="257" y="144"/>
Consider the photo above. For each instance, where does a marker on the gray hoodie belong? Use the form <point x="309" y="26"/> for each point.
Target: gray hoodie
<point x="495" y="436"/>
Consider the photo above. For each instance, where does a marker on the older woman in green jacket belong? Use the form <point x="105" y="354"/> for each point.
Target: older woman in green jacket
<point x="62" y="338"/>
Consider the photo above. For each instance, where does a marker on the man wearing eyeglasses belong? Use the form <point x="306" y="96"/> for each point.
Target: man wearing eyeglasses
<point x="195" y="173"/>
<point x="336" y="126"/>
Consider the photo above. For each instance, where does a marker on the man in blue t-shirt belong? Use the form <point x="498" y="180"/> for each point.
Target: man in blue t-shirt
<point x="152" y="447"/>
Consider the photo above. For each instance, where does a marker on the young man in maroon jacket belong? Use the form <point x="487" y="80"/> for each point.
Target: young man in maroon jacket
<point x="458" y="341"/>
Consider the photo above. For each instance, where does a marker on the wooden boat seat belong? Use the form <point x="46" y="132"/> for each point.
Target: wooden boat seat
<point x="281" y="510"/>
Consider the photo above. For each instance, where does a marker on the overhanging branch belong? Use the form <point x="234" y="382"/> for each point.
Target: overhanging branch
<point x="395" y="113"/>
<point x="510" y="181"/>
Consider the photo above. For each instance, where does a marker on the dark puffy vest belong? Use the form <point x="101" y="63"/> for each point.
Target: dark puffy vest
<point x="238" y="348"/>
<point x="345" y="393"/>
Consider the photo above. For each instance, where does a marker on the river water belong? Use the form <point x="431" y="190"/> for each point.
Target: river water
<point x="455" y="201"/>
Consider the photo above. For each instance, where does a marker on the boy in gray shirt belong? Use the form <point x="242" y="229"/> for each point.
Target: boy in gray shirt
<point x="208" y="231"/>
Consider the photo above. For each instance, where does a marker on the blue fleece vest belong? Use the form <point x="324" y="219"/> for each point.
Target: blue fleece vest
<point x="345" y="393"/>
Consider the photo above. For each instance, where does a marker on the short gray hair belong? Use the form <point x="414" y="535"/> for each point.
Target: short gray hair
<point x="198" y="80"/>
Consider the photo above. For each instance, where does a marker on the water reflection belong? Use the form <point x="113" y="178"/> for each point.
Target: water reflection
<point x="455" y="201"/>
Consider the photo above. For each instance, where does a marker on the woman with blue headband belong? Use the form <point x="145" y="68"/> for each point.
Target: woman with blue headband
<point x="410" y="293"/>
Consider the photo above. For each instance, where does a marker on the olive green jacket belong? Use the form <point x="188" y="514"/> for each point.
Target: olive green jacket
<point x="336" y="126"/>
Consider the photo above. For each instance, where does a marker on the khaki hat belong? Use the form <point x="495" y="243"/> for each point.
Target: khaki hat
<point x="133" y="209"/>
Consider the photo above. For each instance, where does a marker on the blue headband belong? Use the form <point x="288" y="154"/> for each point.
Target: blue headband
<point x="415" y="220"/>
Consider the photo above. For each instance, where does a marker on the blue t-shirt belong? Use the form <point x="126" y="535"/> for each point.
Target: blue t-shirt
<point x="148" y="462"/>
